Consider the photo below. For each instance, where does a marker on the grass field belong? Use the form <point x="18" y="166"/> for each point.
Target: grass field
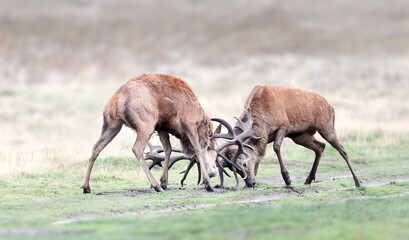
<point x="61" y="60"/>
<point x="50" y="204"/>
<point x="44" y="162"/>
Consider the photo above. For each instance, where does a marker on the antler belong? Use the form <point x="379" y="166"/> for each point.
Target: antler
<point x="157" y="158"/>
<point x="154" y="155"/>
<point x="246" y="128"/>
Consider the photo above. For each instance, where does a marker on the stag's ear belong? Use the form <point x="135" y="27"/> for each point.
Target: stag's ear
<point x="218" y="129"/>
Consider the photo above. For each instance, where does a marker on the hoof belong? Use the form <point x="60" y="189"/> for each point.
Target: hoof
<point x="209" y="188"/>
<point x="357" y="182"/>
<point x="219" y="186"/>
<point x="286" y="177"/>
<point x="158" y="189"/>
<point x="309" y="180"/>
<point x="86" y="189"/>
<point x="163" y="183"/>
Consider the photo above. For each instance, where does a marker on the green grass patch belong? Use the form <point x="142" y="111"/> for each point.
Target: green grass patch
<point x="351" y="219"/>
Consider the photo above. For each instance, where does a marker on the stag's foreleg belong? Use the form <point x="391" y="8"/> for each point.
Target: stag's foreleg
<point x="331" y="137"/>
<point x="194" y="140"/>
<point x="308" y="140"/>
<point x="280" y="135"/>
<point x="109" y="131"/>
<point x="164" y="138"/>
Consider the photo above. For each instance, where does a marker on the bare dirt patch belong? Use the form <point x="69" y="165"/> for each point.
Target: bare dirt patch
<point x="38" y="233"/>
<point x="279" y="179"/>
<point x="198" y="192"/>
<point x="87" y="216"/>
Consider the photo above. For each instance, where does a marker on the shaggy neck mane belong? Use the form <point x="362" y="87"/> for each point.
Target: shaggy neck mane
<point x="204" y="131"/>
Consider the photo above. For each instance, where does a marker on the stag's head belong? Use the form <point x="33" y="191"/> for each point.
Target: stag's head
<point x="236" y="153"/>
<point x="207" y="145"/>
<point x="209" y="157"/>
<point x="243" y="164"/>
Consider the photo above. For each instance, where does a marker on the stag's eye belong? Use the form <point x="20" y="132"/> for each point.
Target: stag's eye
<point x="244" y="164"/>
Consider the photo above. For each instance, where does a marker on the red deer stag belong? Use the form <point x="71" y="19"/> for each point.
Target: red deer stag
<point x="169" y="106"/>
<point x="272" y="114"/>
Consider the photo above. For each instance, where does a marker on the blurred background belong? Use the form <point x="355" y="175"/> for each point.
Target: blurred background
<point x="60" y="60"/>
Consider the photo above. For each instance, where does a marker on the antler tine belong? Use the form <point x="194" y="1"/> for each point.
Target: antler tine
<point x="245" y="127"/>
<point x="229" y="143"/>
<point x="188" y="169"/>
<point x="174" y="159"/>
<point x="230" y="135"/>
<point x="150" y="146"/>
<point x="154" y="149"/>
<point x="177" y="150"/>
<point x="240" y="123"/>
<point x="249" y="146"/>
<point x="227" y="160"/>
<point x="186" y="172"/>
<point x="157" y="158"/>
<point x="154" y="155"/>
<point x="221" y="167"/>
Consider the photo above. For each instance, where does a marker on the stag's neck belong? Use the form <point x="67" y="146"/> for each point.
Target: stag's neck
<point x="260" y="131"/>
<point x="259" y="146"/>
<point x="205" y="131"/>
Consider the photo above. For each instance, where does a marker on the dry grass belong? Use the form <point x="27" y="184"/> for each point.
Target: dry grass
<point x="60" y="61"/>
<point x="47" y="128"/>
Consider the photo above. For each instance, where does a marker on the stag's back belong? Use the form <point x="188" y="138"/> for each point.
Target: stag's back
<point x="167" y="101"/>
<point x="294" y="108"/>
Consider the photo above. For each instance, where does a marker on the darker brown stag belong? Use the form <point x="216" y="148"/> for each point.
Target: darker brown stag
<point x="164" y="104"/>
<point x="274" y="113"/>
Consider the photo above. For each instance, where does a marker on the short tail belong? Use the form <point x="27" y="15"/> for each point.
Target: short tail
<point x="111" y="109"/>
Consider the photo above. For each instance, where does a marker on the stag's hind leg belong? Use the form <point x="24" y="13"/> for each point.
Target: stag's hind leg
<point x="141" y="142"/>
<point x="331" y="137"/>
<point x="308" y="140"/>
<point x="109" y="131"/>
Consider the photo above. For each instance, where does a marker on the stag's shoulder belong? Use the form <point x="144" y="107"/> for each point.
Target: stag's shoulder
<point x="160" y="80"/>
<point x="287" y="90"/>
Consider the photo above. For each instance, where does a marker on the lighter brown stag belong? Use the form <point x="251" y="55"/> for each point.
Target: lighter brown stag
<point x="165" y="104"/>
<point x="275" y="113"/>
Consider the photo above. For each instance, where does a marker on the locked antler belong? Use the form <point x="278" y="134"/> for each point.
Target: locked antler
<point x="157" y="158"/>
<point x="246" y="128"/>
